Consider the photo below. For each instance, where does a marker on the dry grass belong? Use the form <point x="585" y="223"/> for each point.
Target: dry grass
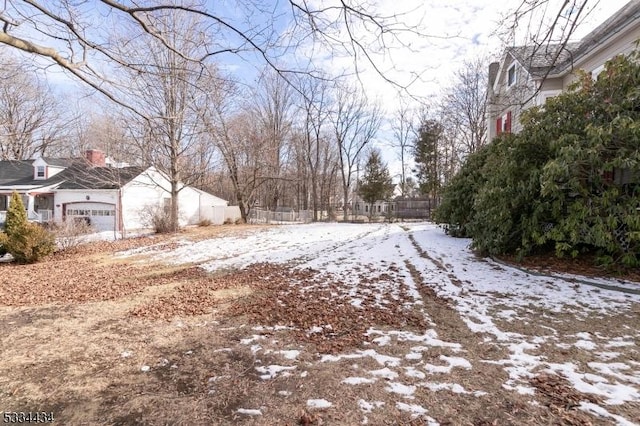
<point x="79" y="349"/>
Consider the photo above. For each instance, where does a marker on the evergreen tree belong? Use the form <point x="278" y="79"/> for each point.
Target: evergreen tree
<point x="376" y="184"/>
<point x="26" y="242"/>
<point x="426" y="157"/>
<point x="16" y="215"/>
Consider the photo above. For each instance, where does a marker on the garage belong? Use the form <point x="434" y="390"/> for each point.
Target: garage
<point x="101" y="216"/>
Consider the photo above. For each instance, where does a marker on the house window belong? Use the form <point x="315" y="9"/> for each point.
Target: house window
<point x="40" y="171"/>
<point x="503" y="123"/>
<point x="511" y="75"/>
<point x="366" y="209"/>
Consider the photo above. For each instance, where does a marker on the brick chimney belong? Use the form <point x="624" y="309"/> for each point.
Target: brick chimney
<point x="95" y="157"/>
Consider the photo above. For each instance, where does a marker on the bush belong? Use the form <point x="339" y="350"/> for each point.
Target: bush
<point x="30" y="244"/>
<point x="456" y="209"/>
<point x="69" y="233"/>
<point x="205" y="222"/>
<point x="239" y="221"/>
<point x="228" y="221"/>
<point x="570" y="181"/>
<point x="156" y="218"/>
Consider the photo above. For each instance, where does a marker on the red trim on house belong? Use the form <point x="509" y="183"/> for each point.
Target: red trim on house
<point x="507" y="124"/>
<point x="499" y="126"/>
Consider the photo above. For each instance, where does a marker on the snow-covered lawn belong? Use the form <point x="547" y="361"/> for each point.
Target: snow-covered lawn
<point x="316" y="324"/>
<point x="529" y="324"/>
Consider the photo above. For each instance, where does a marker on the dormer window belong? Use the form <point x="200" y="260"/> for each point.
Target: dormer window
<point x="40" y="172"/>
<point x="511" y="75"/>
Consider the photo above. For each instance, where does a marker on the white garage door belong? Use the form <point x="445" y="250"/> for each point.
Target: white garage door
<point x="101" y="216"/>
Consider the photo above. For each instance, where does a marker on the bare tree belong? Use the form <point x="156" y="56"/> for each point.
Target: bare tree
<point x="272" y="103"/>
<point x="106" y="131"/>
<point x="166" y="87"/>
<point x="31" y="117"/>
<point x="238" y="139"/>
<point x="355" y="123"/>
<point x="315" y="107"/>
<point x="77" y="36"/>
<point x="464" y="106"/>
<point x="403" y="129"/>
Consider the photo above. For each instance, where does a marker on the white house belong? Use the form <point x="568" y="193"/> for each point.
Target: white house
<point x="527" y="76"/>
<point x="110" y="198"/>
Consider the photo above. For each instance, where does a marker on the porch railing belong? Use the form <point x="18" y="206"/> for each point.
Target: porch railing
<point x="45" y="215"/>
<point x="39" y="216"/>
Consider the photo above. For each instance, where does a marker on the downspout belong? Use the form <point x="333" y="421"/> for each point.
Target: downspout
<point x="120" y="222"/>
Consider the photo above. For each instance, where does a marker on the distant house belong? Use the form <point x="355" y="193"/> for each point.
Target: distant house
<point x="109" y="198"/>
<point x="527" y="76"/>
<point x="379" y="208"/>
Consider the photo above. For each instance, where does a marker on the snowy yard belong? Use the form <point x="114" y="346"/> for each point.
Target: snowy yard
<point x="316" y="324"/>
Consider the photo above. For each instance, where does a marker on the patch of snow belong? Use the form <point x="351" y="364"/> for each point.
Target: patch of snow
<point x="367" y="407"/>
<point x="412" y="372"/>
<point x="249" y="412"/>
<point x="590" y="407"/>
<point x="382" y="341"/>
<point x="290" y="354"/>
<point x="413" y="355"/>
<point x="251" y="339"/>
<point x="358" y="380"/>
<point x="402" y="389"/>
<point x="453" y="387"/>
<point x="272" y="371"/>
<point x="380" y="358"/>
<point x="385" y="373"/>
<point x="618" y="343"/>
<point x="125" y="354"/>
<point x="452" y="362"/>
<point x="284" y="393"/>
<point x="585" y="344"/>
<point x="429" y="338"/>
<point x="145" y="368"/>
<point x="614" y="370"/>
<point x="583" y="335"/>
<point x="416" y="410"/>
<point x="607" y="356"/>
<point x="615" y="394"/>
<point x="304" y="374"/>
<point x="315" y="329"/>
<point x="507" y="314"/>
<point x="318" y="403"/>
<point x="255" y="349"/>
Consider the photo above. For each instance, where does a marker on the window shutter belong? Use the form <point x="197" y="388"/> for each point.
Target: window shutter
<point x="499" y="125"/>
<point x="507" y="124"/>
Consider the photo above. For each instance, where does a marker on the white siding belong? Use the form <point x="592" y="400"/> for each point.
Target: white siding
<point x="151" y="188"/>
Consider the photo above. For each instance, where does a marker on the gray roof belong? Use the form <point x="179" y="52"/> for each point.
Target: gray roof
<point x="541" y="61"/>
<point x="59" y="162"/>
<point x="78" y="175"/>
<point x="81" y="176"/>
<point x="12" y="171"/>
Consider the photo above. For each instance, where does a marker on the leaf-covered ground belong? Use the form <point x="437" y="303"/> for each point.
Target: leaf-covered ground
<point x="313" y="324"/>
